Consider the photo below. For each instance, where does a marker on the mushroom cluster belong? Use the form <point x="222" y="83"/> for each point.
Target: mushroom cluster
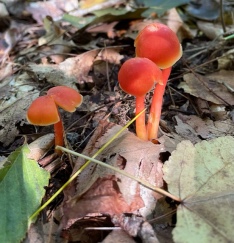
<point x="44" y="110"/>
<point x="158" y="48"/>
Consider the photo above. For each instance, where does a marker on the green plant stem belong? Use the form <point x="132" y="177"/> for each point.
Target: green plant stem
<point x="122" y="172"/>
<point x="140" y="121"/>
<point x="156" y="106"/>
<point x="34" y="215"/>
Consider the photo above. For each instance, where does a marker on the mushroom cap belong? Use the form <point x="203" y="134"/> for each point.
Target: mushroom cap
<point x="138" y="75"/>
<point x="43" y="111"/>
<point x="66" y="97"/>
<point x="158" y="43"/>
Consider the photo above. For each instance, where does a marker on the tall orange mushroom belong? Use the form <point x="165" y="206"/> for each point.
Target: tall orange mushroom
<point x="137" y="76"/>
<point x="44" y="110"/>
<point x="161" y="45"/>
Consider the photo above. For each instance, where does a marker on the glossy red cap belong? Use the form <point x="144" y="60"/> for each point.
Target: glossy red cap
<point x="43" y="112"/>
<point x="65" y="97"/>
<point x="138" y="75"/>
<point x="160" y="44"/>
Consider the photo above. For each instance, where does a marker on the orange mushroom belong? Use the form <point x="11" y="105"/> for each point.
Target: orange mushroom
<point x="161" y="45"/>
<point x="44" y="110"/>
<point x="137" y="76"/>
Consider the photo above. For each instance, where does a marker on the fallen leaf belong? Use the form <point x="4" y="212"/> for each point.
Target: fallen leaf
<point x="211" y="30"/>
<point x="118" y="236"/>
<point x="47" y="232"/>
<point x="7" y="43"/>
<point x="225" y="60"/>
<point x="186" y="131"/>
<point x="13" y="111"/>
<point x="199" y="86"/>
<point x="53" y="42"/>
<point x="80" y="66"/>
<point x="136" y="226"/>
<point x="40" y="146"/>
<point x="118" y="194"/>
<point x="224" y="77"/>
<point x="202" y="175"/>
<point x="55" y="9"/>
<point x="194" y="128"/>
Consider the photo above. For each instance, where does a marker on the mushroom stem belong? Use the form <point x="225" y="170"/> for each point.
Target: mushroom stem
<point x="140" y="121"/>
<point x="156" y="106"/>
<point x="58" y="133"/>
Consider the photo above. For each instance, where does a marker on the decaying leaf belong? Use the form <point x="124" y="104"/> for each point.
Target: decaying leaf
<point x="224" y="77"/>
<point x="12" y="112"/>
<point x="74" y="70"/>
<point x="40" y="146"/>
<point x="45" y="232"/>
<point x="100" y="190"/>
<point x="199" y="86"/>
<point x="202" y="175"/>
<point x="118" y="236"/>
<point x="211" y="30"/>
<point x="136" y="226"/>
<point x="194" y="128"/>
<point x="80" y="66"/>
<point x="55" y="9"/>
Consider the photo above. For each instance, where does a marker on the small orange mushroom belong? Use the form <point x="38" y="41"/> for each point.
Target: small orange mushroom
<point x="44" y="110"/>
<point x="137" y="76"/>
<point x="161" y="45"/>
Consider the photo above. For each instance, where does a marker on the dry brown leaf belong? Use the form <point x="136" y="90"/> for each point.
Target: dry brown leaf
<point x="7" y="43"/>
<point x="136" y="226"/>
<point x="107" y="28"/>
<point x="224" y="77"/>
<point x="49" y="73"/>
<point x="45" y="232"/>
<point x="5" y="71"/>
<point x="211" y="30"/>
<point x="15" y="96"/>
<point x="226" y="60"/>
<point x="55" y="9"/>
<point x="195" y="128"/>
<point x="174" y="20"/>
<point x="40" y="146"/>
<point x="118" y="193"/>
<point x="197" y="86"/>
<point x="53" y="43"/>
<point x="93" y="6"/>
<point x="80" y="66"/>
<point x="118" y="236"/>
<point x="185" y="130"/>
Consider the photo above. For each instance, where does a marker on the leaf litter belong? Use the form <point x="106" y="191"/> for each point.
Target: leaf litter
<point x="127" y="152"/>
<point x="92" y="67"/>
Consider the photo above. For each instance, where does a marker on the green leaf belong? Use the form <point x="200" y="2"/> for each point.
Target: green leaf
<point x="21" y="190"/>
<point x="203" y="176"/>
<point x="161" y="6"/>
<point x="107" y="15"/>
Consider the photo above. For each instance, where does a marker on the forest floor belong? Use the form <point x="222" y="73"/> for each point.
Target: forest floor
<point x="83" y="45"/>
